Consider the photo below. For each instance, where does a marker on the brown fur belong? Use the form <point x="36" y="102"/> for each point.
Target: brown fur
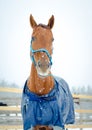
<point x="42" y="128"/>
<point x="35" y="83"/>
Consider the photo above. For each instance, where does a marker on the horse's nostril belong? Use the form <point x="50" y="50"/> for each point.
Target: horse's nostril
<point x="48" y="65"/>
<point x="39" y="64"/>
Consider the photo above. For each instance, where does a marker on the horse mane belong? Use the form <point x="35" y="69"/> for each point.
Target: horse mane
<point x="43" y="26"/>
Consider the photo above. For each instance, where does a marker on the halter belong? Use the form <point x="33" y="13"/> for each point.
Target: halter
<point x="39" y="50"/>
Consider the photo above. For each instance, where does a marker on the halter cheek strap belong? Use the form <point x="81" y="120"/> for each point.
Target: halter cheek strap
<point x="39" y="50"/>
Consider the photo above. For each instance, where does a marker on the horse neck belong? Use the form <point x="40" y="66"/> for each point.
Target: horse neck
<point x="40" y="86"/>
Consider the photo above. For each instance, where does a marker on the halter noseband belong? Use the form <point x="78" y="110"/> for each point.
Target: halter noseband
<point x="39" y="50"/>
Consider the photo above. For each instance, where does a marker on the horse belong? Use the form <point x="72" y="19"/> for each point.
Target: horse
<point x="46" y="99"/>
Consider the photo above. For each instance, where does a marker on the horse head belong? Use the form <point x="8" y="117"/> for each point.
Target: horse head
<point x="41" y="47"/>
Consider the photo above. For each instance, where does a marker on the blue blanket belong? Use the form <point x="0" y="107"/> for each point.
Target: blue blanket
<point x="55" y="108"/>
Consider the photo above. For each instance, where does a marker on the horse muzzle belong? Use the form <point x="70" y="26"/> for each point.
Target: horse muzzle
<point x="43" y="68"/>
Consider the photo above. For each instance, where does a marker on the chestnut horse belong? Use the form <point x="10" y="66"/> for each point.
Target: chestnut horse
<point x="46" y="100"/>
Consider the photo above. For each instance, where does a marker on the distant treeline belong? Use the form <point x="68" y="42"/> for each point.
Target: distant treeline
<point x="4" y="83"/>
<point x="82" y="90"/>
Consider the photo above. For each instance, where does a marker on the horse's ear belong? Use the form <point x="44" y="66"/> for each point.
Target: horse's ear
<point x="32" y="21"/>
<point x="51" y="22"/>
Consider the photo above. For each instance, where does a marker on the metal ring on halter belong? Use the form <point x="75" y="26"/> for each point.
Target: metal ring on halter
<point x="39" y="50"/>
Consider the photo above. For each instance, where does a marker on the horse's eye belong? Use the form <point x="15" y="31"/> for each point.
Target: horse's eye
<point x="52" y="39"/>
<point x="33" y="39"/>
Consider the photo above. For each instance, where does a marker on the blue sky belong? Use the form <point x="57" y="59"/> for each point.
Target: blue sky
<point x="72" y="56"/>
